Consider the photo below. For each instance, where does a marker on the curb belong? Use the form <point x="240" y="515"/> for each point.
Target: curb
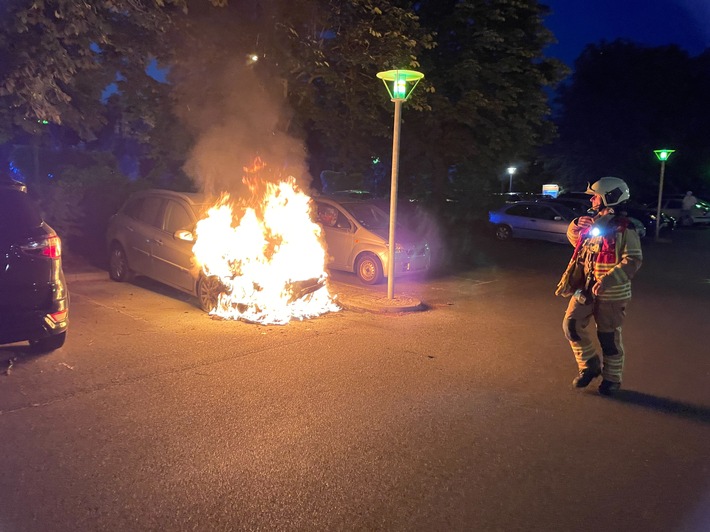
<point x="354" y="298"/>
<point x="375" y="305"/>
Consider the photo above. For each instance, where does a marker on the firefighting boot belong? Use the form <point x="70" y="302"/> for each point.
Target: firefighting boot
<point x="588" y="374"/>
<point x="609" y="387"/>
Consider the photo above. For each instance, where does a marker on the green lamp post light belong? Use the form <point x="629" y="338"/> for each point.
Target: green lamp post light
<point x="663" y="156"/>
<point x="399" y="85"/>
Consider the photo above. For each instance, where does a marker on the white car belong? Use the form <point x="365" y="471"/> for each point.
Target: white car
<point x="673" y="206"/>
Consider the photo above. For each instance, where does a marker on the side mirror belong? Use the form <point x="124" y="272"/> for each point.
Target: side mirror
<point x="184" y="234"/>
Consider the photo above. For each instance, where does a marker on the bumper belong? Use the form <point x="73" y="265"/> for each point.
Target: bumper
<point x="33" y="325"/>
<point x="404" y="265"/>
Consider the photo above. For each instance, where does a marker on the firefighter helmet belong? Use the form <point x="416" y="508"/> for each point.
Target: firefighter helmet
<point x="611" y="189"/>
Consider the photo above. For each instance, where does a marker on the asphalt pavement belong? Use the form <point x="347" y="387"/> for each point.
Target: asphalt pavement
<point x="155" y="417"/>
<point x="349" y="296"/>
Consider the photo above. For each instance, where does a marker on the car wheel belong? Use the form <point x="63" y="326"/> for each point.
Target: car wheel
<point x="48" y="344"/>
<point x="118" y="264"/>
<point x="369" y="268"/>
<point x="208" y="290"/>
<point x="503" y="232"/>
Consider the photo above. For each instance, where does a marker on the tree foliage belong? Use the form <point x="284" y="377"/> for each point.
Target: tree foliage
<point x="58" y="56"/>
<point x="489" y="105"/>
<point x="625" y="100"/>
<point x="317" y="61"/>
<point x="481" y="103"/>
<point x="285" y="79"/>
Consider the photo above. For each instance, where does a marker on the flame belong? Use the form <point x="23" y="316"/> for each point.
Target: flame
<point x="270" y="259"/>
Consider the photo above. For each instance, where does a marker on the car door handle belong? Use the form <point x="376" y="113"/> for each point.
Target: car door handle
<point x="158" y="241"/>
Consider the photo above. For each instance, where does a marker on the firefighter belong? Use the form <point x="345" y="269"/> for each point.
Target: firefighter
<point x="607" y="255"/>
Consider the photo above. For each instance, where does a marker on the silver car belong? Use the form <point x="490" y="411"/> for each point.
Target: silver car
<point x="152" y="235"/>
<point x="357" y="237"/>
<point x="529" y="219"/>
<point x="673" y="206"/>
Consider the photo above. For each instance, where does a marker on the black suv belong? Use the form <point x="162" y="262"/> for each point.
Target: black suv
<point x="34" y="301"/>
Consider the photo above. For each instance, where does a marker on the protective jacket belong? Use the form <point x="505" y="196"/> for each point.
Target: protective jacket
<point x="610" y="252"/>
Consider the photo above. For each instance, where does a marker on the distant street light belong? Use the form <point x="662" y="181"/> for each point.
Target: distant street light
<point x="511" y="171"/>
<point x="663" y="156"/>
<point x="399" y="85"/>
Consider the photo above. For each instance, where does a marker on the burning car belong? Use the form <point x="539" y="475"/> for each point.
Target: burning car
<point x="357" y="236"/>
<point x="258" y="259"/>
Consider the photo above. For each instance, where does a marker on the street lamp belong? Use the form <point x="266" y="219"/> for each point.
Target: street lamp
<point x="399" y="85"/>
<point x="511" y="171"/>
<point x="663" y="156"/>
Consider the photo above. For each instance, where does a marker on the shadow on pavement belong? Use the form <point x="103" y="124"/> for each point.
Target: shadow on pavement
<point x="664" y="405"/>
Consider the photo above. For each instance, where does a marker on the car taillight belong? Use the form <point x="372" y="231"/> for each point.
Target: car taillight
<point x="58" y="317"/>
<point x="48" y="247"/>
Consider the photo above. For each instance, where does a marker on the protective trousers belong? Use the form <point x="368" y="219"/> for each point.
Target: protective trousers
<point x="609" y="318"/>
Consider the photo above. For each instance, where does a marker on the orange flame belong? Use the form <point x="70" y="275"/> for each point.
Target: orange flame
<point x="271" y="262"/>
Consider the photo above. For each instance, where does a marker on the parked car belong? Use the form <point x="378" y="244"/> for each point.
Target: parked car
<point x="152" y="235"/>
<point x="34" y="300"/>
<point x="538" y="220"/>
<point x="643" y="221"/>
<point x="356" y="233"/>
<point x="647" y="217"/>
<point x="673" y="205"/>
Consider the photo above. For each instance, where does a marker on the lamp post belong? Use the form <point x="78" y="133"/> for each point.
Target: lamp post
<point x="511" y="171"/>
<point x="663" y="156"/>
<point x="399" y="85"/>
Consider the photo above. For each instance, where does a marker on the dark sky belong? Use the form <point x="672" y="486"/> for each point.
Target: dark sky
<point x="577" y="23"/>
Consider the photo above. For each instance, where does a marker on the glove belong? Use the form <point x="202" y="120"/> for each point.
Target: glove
<point x="584" y="221"/>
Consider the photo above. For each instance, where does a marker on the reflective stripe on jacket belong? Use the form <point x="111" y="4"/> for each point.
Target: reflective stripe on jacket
<point x="612" y="251"/>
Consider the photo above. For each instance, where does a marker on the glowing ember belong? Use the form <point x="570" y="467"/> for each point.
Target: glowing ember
<point x="270" y="261"/>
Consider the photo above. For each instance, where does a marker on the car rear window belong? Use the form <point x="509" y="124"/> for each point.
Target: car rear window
<point x="18" y="210"/>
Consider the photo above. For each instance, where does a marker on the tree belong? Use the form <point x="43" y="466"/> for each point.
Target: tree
<point x="340" y="103"/>
<point x="488" y="101"/>
<point x="317" y="60"/>
<point x="625" y="100"/>
<point x="59" y="55"/>
<point x="311" y="95"/>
